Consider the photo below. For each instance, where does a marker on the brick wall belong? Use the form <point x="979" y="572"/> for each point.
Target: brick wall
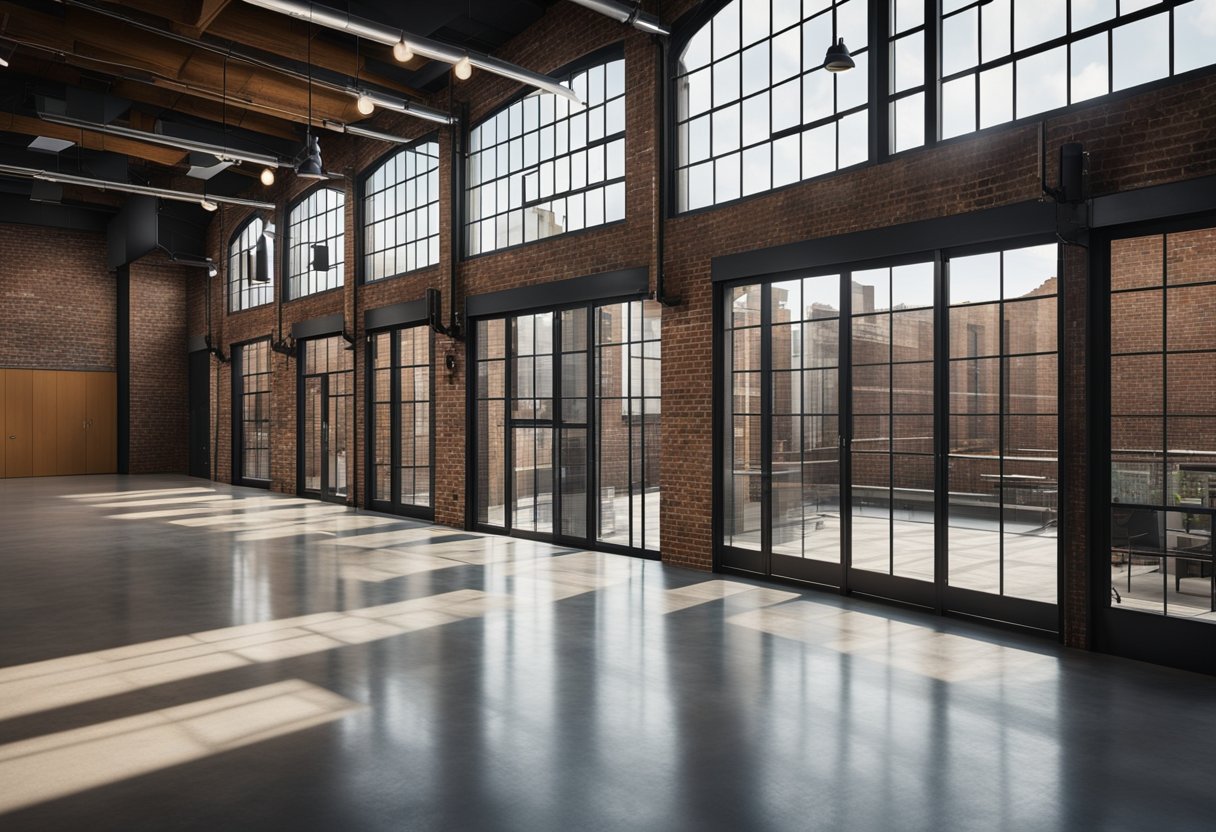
<point x="1135" y="140"/>
<point x="60" y="303"/>
<point x="159" y="392"/>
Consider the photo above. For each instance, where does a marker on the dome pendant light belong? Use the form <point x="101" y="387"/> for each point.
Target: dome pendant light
<point x="838" y="58"/>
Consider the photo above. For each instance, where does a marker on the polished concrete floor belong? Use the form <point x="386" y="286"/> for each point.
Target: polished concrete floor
<point x="181" y="655"/>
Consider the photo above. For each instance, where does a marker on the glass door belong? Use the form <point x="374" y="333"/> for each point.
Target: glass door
<point x="892" y="449"/>
<point x="782" y="465"/>
<point x="325" y="417"/>
<point x="399" y="435"/>
<point x="567" y="411"/>
<point x="893" y="430"/>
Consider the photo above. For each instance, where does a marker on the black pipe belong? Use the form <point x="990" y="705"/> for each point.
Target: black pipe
<point x="663" y="106"/>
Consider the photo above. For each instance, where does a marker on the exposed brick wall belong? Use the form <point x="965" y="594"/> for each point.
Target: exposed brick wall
<point x="60" y="303"/>
<point x="1135" y="140"/>
<point x="159" y="393"/>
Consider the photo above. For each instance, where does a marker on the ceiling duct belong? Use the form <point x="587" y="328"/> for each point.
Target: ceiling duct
<point x="389" y="36"/>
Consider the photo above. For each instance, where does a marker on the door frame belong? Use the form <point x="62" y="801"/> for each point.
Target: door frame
<point x="238" y="413"/>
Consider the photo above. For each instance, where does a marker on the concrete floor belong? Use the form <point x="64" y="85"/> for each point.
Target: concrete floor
<point x="182" y="655"/>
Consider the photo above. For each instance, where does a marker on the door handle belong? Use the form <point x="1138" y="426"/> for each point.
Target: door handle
<point x="12" y="436"/>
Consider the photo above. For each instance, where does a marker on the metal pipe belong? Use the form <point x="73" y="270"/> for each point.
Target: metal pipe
<point x="129" y="188"/>
<point x="223" y="153"/>
<point x="627" y="14"/>
<point x="400" y="105"/>
<point x="365" y="132"/>
<point x="381" y="33"/>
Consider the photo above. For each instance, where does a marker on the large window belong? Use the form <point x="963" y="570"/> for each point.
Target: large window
<point x="568" y="423"/>
<point x="316" y="233"/>
<point x="252" y="398"/>
<point x="756" y="110"/>
<point x="401" y="213"/>
<point x="543" y="166"/>
<point x="1163" y="423"/>
<point x="1008" y="59"/>
<point x="401" y="444"/>
<point x="245" y="291"/>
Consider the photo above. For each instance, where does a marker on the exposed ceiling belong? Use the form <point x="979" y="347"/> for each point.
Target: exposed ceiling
<point x="222" y="72"/>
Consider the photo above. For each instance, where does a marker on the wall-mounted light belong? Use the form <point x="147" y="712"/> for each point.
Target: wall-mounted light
<point x="403" y="52"/>
<point x="463" y="68"/>
<point x="838" y="58"/>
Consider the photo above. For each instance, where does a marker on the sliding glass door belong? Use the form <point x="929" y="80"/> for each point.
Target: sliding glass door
<point x="567" y="411"/>
<point x="892" y="430"/>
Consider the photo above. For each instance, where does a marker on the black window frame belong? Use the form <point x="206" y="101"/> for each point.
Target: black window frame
<point x="599" y="57"/>
<point x="363" y="221"/>
<point x="286" y="252"/>
<point x="239" y="395"/>
<point x="248" y="268"/>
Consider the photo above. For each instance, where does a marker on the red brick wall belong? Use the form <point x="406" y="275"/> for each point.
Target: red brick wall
<point x="60" y="303"/>
<point x="159" y="393"/>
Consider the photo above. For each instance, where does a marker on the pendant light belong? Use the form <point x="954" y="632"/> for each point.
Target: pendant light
<point x="311" y="167"/>
<point x="838" y="58"/>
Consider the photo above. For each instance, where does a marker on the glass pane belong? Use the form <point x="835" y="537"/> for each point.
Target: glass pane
<point x="871" y="516"/>
<point x="1137" y="262"/>
<point x="1135" y="321"/>
<point x="974" y="525"/>
<point x="912" y="516"/>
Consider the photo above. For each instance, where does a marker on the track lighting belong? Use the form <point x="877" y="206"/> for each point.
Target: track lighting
<point x="838" y="58"/>
<point x="208" y="205"/>
<point x="463" y="68"/>
<point x="267" y="177"/>
<point x="402" y="51"/>
<point x="365" y="105"/>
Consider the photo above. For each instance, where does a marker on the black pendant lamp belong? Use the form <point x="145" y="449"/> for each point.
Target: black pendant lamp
<point x="838" y="58"/>
<point x="310" y="167"/>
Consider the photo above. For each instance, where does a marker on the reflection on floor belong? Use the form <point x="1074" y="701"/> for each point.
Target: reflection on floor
<point x="182" y="655"/>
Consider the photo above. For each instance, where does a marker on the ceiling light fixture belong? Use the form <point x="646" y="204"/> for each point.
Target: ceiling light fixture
<point x="838" y="58"/>
<point x="311" y="167"/>
<point x="400" y="105"/>
<point x="208" y="205"/>
<point x="365" y="105"/>
<point x="356" y="130"/>
<point x="427" y="48"/>
<point x="463" y="69"/>
<point x="267" y="176"/>
<point x="403" y="52"/>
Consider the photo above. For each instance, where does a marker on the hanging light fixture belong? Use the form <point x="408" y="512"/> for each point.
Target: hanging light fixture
<point x="463" y="68"/>
<point x="403" y="52"/>
<point x="208" y="205"/>
<point x="311" y="167"/>
<point x="838" y="58"/>
<point x="267" y="177"/>
<point x="365" y="105"/>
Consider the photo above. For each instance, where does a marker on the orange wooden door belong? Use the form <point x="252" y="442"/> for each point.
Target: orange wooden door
<point x="101" y="414"/>
<point x="44" y="423"/>
<point x="70" y="423"/>
<point x="18" y="423"/>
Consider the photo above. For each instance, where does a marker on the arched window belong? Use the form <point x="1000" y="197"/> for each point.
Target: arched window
<point x="316" y="254"/>
<point x="401" y="212"/>
<point x="756" y="110"/>
<point x="245" y="291"/>
<point x="543" y="166"/>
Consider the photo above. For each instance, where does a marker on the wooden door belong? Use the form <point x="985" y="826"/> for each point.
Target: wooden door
<point x="101" y="416"/>
<point x="18" y="423"/>
<point x="70" y="423"/>
<point x="44" y="423"/>
<point x="3" y="421"/>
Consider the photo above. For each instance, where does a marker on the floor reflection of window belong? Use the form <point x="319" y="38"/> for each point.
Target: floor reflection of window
<point x="1163" y="423"/>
